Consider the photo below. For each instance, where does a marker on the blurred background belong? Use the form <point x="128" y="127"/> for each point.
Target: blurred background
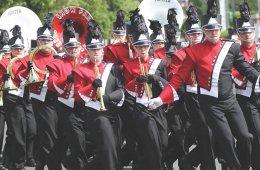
<point x="104" y="11"/>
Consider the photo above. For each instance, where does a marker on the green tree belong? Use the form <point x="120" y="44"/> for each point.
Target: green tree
<point x="104" y="11"/>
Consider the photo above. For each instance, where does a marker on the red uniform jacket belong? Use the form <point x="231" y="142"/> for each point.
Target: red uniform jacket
<point x="243" y="86"/>
<point x="132" y="71"/>
<point x="41" y="60"/>
<point x="249" y="54"/>
<point x="153" y="66"/>
<point x="84" y="76"/>
<point x="59" y="69"/>
<point x="118" y="53"/>
<point x="177" y="59"/>
<point x="3" y="69"/>
<point x="204" y="58"/>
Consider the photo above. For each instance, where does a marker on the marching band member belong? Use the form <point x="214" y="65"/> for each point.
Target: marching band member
<point x="60" y="81"/>
<point x="20" y="119"/>
<point x="176" y="113"/>
<point x="194" y="34"/>
<point x="157" y="40"/>
<point x="122" y="51"/>
<point x="150" y="126"/>
<point x="4" y="53"/>
<point x="248" y="97"/>
<point x="42" y="99"/>
<point x="212" y="61"/>
<point x="100" y="86"/>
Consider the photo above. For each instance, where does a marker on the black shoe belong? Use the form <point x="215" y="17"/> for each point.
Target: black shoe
<point x="225" y="166"/>
<point x="164" y="166"/>
<point x="30" y="162"/>
<point x="39" y="166"/>
<point x="2" y="167"/>
<point x="185" y="164"/>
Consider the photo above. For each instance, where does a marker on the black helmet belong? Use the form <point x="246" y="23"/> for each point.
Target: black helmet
<point x="119" y="26"/>
<point x="140" y="32"/>
<point x="157" y="35"/>
<point x="4" y="38"/>
<point x="70" y="37"/>
<point x="17" y="40"/>
<point x="192" y="23"/>
<point x="211" y="21"/>
<point x="45" y="32"/>
<point x="94" y="39"/>
<point x="243" y="23"/>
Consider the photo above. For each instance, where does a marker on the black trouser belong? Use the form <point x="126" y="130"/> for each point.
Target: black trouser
<point x="2" y="126"/>
<point x="176" y="143"/>
<point x="151" y="128"/>
<point x="178" y="124"/>
<point x="72" y="123"/>
<point x="204" y="149"/>
<point x="48" y="146"/>
<point x="104" y="130"/>
<point x="226" y="119"/>
<point x="129" y="150"/>
<point x="21" y="129"/>
<point x="250" y="108"/>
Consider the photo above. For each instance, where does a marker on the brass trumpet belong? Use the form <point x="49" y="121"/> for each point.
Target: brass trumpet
<point x="9" y="84"/>
<point x="147" y="87"/>
<point x="33" y="76"/>
<point x="99" y="90"/>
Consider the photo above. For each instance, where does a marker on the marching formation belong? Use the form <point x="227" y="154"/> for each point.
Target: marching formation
<point x="141" y="100"/>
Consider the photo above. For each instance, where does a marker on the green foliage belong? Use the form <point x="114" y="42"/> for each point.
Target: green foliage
<point x="104" y="12"/>
<point x="224" y="34"/>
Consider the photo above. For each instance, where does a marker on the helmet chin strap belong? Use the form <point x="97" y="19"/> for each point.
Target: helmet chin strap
<point x="193" y="40"/>
<point x="102" y="54"/>
<point x="246" y="40"/>
<point x="74" y="55"/>
<point x="213" y="39"/>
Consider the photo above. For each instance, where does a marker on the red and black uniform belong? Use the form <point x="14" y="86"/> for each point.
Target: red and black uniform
<point x="43" y="105"/>
<point x="150" y="126"/>
<point x="64" y="121"/>
<point x="103" y="126"/>
<point x="20" y="120"/>
<point x="212" y="64"/>
<point x="248" y="99"/>
<point x="118" y="53"/>
<point x="37" y="90"/>
<point x="203" y="153"/>
<point x="177" y="118"/>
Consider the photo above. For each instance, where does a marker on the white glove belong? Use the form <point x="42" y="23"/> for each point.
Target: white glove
<point x="155" y="103"/>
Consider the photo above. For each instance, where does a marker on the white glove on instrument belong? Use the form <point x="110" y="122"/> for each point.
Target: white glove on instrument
<point x="155" y="103"/>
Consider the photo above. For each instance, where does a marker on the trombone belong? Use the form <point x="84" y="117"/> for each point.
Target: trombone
<point x="33" y="76"/>
<point x="147" y="87"/>
<point x="99" y="90"/>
